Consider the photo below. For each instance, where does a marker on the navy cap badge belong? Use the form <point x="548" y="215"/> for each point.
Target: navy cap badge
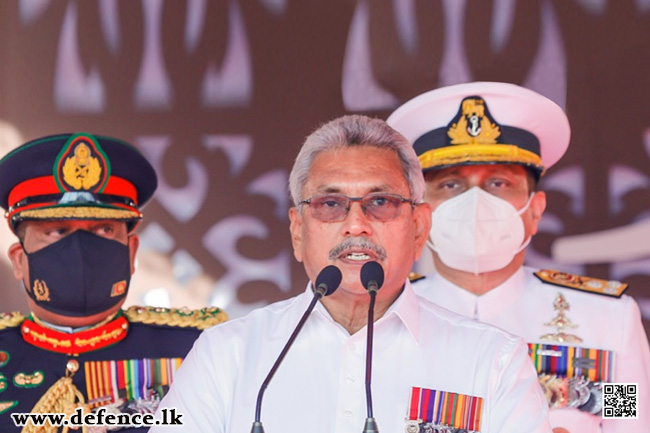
<point x="473" y="124"/>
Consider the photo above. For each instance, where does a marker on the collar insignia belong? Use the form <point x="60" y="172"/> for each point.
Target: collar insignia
<point x="79" y="342"/>
<point x="81" y="165"/>
<point x="473" y="124"/>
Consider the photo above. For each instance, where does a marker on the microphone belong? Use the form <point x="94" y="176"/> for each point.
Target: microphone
<point x="372" y="278"/>
<point x="327" y="282"/>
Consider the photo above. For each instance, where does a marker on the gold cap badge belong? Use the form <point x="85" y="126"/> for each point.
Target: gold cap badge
<point x="81" y="165"/>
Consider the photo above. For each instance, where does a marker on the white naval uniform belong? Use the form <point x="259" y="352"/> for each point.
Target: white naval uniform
<point x="320" y="385"/>
<point x="523" y="304"/>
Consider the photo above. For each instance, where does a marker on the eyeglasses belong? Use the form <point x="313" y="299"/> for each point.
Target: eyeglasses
<point x="334" y="207"/>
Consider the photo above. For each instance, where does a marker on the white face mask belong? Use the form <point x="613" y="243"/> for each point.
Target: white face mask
<point x="477" y="232"/>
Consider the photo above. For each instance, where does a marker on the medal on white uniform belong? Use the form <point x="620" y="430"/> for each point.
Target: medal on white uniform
<point x="562" y="323"/>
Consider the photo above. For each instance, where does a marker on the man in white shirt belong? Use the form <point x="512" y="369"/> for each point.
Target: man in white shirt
<point x="483" y="147"/>
<point x="357" y="188"/>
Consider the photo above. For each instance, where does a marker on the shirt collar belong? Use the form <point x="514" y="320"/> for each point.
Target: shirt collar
<point x="405" y="308"/>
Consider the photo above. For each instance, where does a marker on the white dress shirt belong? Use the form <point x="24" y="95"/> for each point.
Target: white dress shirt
<point x="320" y="385"/>
<point x="523" y="304"/>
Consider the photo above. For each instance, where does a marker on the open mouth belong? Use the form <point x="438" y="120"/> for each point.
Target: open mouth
<point x="357" y="250"/>
<point x="356" y="256"/>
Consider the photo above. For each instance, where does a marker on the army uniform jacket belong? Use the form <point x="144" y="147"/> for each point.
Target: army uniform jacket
<point x="524" y="304"/>
<point x="125" y="365"/>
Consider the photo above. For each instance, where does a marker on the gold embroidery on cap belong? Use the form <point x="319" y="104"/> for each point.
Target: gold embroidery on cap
<point x="80" y="212"/>
<point x="473" y="127"/>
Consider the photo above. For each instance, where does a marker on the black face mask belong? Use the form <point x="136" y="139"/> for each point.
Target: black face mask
<point x="80" y="275"/>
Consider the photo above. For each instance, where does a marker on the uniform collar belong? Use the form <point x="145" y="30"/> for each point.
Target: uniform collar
<point x="490" y="304"/>
<point x="68" y="329"/>
<point x="54" y="340"/>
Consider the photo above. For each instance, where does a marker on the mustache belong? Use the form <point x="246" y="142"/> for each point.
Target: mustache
<point x="357" y="243"/>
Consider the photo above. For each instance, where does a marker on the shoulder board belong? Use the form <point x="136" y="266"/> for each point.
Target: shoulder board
<point x="414" y="276"/>
<point x="11" y="320"/>
<point x="179" y="317"/>
<point x="585" y="284"/>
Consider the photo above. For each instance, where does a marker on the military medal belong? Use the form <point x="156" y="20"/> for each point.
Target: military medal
<point x="572" y="376"/>
<point x="432" y="411"/>
<point x="561" y="323"/>
<point x="578" y="391"/>
<point x="556" y="390"/>
<point x="594" y="403"/>
<point x="129" y="379"/>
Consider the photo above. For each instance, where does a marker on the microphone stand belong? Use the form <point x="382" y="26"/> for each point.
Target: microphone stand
<point x="257" y="425"/>
<point x="372" y="278"/>
<point x="370" y="425"/>
<point x="327" y="282"/>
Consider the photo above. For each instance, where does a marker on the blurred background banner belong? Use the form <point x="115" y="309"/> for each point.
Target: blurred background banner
<point x="219" y="95"/>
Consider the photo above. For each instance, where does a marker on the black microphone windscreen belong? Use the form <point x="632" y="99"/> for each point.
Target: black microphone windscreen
<point x="330" y="277"/>
<point x="372" y="271"/>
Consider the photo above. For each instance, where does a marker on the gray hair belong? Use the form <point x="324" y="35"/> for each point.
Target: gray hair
<point x="356" y="130"/>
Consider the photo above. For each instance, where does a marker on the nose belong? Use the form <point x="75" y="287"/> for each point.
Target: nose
<point x="356" y="222"/>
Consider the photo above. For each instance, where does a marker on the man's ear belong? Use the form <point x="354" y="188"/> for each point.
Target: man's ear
<point x="133" y="243"/>
<point x="537" y="207"/>
<point x="18" y="260"/>
<point x="295" y="228"/>
<point x="422" y="224"/>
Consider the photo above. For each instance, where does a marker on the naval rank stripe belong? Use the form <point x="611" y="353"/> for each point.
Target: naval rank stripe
<point x="129" y="379"/>
<point x="567" y="361"/>
<point x="449" y="409"/>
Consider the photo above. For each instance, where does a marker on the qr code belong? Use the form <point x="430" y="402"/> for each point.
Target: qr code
<point x="620" y="400"/>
